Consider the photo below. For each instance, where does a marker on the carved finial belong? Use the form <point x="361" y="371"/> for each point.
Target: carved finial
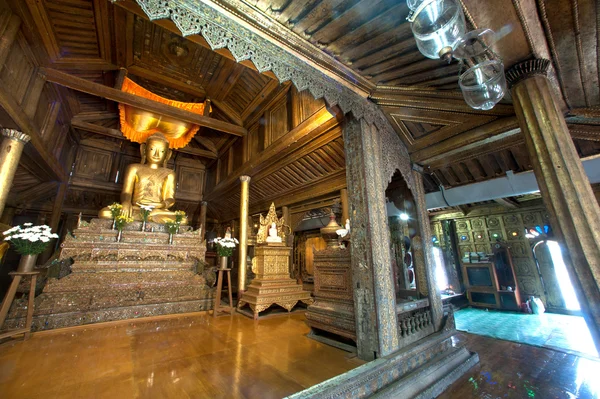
<point x="16" y="135"/>
<point x="526" y="69"/>
<point x="244" y="178"/>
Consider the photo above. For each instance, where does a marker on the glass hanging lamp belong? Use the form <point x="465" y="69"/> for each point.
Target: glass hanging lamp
<point x="483" y="84"/>
<point x="437" y="25"/>
<point x="440" y="32"/>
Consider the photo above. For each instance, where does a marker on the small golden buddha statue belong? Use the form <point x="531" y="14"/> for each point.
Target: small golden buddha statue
<point x="149" y="183"/>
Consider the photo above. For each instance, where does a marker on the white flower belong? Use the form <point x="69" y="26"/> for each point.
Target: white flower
<point x="27" y="224"/>
<point x="34" y="239"/>
<point x="7" y="238"/>
<point x="11" y="230"/>
<point x="44" y="239"/>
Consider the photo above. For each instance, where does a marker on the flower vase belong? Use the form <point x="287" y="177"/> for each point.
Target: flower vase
<point x="119" y="235"/>
<point x="223" y="261"/>
<point x="143" y="225"/>
<point x="27" y="263"/>
<point x="170" y="238"/>
<point x="114" y="224"/>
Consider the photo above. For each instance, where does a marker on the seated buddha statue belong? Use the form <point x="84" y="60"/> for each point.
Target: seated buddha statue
<point x="149" y="183"/>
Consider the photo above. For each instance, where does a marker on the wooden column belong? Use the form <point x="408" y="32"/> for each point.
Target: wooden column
<point x="243" y="252"/>
<point x="11" y="149"/>
<point x="372" y="277"/>
<point x="564" y="186"/>
<point x="344" y="198"/>
<point x="433" y="293"/>
<point x="203" y="207"/>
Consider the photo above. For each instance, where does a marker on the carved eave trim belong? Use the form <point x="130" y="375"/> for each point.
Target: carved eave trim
<point x="271" y="29"/>
<point x="221" y="30"/>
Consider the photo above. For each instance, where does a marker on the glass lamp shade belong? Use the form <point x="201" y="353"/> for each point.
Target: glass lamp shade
<point x="474" y="44"/>
<point x="437" y="25"/>
<point x="483" y="85"/>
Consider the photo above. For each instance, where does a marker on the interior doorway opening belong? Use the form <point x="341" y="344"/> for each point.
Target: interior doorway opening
<point x="562" y="276"/>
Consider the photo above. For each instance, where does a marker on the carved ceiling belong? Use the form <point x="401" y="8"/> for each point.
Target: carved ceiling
<point x="366" y="42"/>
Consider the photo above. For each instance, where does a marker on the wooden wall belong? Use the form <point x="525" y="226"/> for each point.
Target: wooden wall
<point x="285" y="111"/>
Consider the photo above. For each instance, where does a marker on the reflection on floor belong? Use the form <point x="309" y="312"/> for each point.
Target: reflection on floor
<point x="193" y="356"/>
<point x="550" y="330"/>
<point x="197" y="356"/>
<point x="515" y="371"/>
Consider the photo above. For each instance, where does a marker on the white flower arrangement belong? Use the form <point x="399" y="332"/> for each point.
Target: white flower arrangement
<point x="145" y="211"/>
<point x="29" y="239"/>
<point x="225" y="245"/>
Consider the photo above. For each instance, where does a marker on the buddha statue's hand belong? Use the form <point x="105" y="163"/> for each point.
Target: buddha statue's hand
<point x="127" y="209"/>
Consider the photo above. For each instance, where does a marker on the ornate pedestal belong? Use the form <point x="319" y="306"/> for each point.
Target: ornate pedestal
<point x="140" y="276"/>
<point x="273" y="285"/>
<point x="333" y="309"/>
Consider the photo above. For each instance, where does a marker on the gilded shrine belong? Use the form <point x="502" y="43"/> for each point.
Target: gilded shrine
<point x="272" y="284"/>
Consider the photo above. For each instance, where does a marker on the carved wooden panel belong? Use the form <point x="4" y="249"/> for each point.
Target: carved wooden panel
<point x="93" y="163"/>
<point x="190" y="182"/>
<point x="276" y="121"/>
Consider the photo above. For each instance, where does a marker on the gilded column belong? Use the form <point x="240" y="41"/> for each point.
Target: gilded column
<point x="564" y="186"/>
<point x="203" y="207"/>
<point x="433" y="293"/>
<point x="10" y="152"/>
<point x="244" y="199"/>
<point x="344" y="198"/>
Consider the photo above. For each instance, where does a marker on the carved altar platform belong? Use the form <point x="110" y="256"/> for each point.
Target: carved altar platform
<point x="272" y="284"/>
<point x="333" y="309"/>
<point x="143" y="275"/>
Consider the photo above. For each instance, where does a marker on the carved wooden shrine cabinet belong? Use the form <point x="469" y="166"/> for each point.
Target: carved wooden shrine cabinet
<point x="333" y="309"/>
<point x="491" y="282"/>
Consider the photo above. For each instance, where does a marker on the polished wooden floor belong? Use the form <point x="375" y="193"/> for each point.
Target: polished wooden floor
<point x="512" y="370"/>
<point x="197" y="356"/>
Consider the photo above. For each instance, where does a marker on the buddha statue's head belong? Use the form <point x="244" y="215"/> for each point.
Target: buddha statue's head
<point x="155" y="151"/>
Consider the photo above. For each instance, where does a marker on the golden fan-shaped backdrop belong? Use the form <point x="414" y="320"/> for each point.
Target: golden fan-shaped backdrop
<point x="137" y="124"/>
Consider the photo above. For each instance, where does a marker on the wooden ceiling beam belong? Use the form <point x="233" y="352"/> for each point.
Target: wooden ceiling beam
<point x="228" y="111"/>
<point x="114" y="133"/>
<point x="119" y="96"/>
<point x="506" y="126"/>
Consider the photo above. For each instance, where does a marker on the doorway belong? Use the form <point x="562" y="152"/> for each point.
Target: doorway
<point x="559" y="289"/>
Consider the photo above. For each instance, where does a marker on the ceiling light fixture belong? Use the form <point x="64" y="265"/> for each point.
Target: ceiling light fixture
<point x="439" y="29"/>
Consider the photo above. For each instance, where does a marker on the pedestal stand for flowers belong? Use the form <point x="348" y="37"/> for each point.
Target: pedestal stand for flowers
<point x="217" y="307"/>
<point x="10" y="296"/>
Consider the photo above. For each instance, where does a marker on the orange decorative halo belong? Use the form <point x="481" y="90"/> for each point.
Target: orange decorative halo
<point x="138" y="124"/>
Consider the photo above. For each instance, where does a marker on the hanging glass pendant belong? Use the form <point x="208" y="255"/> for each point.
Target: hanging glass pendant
<point x="483" y="84"/>
<point x="437" y="25"/>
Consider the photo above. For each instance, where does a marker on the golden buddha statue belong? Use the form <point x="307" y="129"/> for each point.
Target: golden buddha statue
<point x="149" y="183"/>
